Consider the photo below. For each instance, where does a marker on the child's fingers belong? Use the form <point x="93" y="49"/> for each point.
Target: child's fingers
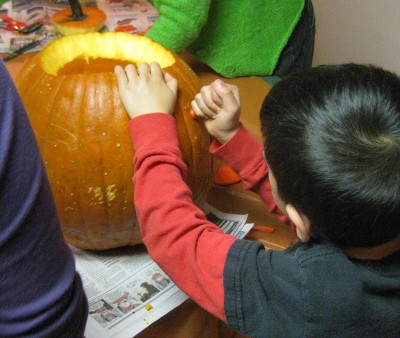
<point x="226" y="94"/>
<point x="196" y="110"/>
<point x="143" y="69"/>
<point x="202" y="105"/>
<point x="217" y="100"/>
<point x="121" y="76"/>
<point x="172" y="83"/>
<point x="131" y="72"/>
<point x="200" y="111"/>
<point x="235" y="91"/>
<point x="208" y="100"/>
<point x="155" y="69"/>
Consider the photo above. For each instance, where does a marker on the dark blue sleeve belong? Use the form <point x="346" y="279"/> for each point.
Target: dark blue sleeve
<point x="41" y="293"/>
<point x="263" y="291"/>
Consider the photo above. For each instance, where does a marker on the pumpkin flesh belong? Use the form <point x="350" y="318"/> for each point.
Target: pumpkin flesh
<point x="81" y="128"/>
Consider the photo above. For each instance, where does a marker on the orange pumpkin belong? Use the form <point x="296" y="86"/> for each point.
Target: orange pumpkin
<point x="70" y="92"/>
<point x="78" y="19"/>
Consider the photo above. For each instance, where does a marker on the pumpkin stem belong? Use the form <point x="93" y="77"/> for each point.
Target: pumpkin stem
<point x="77" y="13"/>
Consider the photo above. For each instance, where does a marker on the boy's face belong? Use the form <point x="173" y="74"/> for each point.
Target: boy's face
<point x="274" y="188"/>
<point x="301" y="222"/>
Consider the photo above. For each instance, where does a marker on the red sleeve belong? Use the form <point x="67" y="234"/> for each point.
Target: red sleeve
<point x="191" y="250"/>
<point x="244" y="154"/>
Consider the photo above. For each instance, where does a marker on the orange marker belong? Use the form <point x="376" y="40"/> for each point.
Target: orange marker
<point x="193" y="114"/>
<point x="226" y="176"/>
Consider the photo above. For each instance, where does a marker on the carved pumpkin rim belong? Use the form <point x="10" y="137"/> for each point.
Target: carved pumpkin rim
<point x="93" y="45"/>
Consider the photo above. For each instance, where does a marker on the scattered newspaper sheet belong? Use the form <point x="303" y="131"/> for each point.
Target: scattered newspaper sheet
<point x="132" y="16"/>
<point x="127" y="291"/>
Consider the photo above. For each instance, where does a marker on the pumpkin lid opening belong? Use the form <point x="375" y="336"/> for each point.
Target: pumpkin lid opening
<point x="126" y="48"/>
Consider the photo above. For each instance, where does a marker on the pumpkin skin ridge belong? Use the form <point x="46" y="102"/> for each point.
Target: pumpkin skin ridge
<point x="183" y="129"/>
<point x="194" y="140"/>
<point x="102" y="167"/>
<point x="104" y="177"/>
<point x="127" y="232"/>
<point x="80" y="128"/>
<point x="127" y="197"/>
<point x="75" y="189"/>
<point x="28" y="90"/>
<point x="190" y="129"/>
<point x="46" y="139"/>
<point x="81" y="221"/>
<point x="194" y="169"/>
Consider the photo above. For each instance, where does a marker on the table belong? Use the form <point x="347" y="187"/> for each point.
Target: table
<point x="189" y="320"/>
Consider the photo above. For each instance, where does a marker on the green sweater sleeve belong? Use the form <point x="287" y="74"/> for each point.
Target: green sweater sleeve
<point x="179" y="22"/>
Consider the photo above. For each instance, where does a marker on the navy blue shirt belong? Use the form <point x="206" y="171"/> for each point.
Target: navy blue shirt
<point x="41" y="293"/>
<point x="310" y="290"/>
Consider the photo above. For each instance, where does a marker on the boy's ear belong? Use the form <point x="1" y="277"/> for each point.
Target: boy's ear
<point x="302" y="223"/>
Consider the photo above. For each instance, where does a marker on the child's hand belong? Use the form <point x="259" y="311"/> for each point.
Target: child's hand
<point x="219" y="105"/>
<point x="146" y="89"/>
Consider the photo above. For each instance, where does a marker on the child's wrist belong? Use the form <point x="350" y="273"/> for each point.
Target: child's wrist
<point x="136" y="115"/>
<point x="225" y="137"/>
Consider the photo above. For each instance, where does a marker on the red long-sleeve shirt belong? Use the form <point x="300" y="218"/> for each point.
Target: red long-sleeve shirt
<point x="190" y="249"/>
<point x="309" y="289"/>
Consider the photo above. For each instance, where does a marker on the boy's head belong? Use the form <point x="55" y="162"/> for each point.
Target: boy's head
<point x="332" y="140"/>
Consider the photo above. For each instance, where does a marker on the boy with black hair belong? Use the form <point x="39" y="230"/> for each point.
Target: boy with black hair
<point x="332" y="143"/>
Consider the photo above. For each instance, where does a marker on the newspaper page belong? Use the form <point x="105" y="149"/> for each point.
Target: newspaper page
<point x="132" y="16"/>
<point x="232" y="224"/>
<point x="127" y="291"/>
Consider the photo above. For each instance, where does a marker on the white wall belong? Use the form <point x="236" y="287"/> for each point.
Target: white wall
<point x="363" y="31"/>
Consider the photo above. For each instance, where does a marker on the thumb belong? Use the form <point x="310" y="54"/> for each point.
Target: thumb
<point x="226" y="94"/>
<point x="172" y="83"/>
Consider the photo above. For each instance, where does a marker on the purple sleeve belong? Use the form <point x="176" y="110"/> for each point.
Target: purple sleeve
<point x="41" y="293"/>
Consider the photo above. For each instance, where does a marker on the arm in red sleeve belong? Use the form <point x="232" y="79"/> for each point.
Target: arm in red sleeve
<point x="191" y="250"/>
<point x="244" y="154"/>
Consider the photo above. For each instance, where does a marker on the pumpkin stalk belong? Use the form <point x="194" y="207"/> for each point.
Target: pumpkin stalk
<point x="77" y="13"/>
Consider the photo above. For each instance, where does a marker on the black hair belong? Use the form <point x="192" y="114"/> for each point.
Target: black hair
<point x="332" y="140"/>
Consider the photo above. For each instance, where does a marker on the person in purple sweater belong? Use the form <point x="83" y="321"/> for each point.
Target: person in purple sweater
<point x="41" y="292"/>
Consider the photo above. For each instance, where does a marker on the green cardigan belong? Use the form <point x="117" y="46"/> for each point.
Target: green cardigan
<point x="234" y="37"/>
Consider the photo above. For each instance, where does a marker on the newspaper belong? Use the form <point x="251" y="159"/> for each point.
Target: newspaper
<point x="127" y="291"/>
<point x="132" y="16"/>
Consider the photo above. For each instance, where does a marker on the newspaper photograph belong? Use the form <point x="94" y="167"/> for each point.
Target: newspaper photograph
<point x="127" y="291"/>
